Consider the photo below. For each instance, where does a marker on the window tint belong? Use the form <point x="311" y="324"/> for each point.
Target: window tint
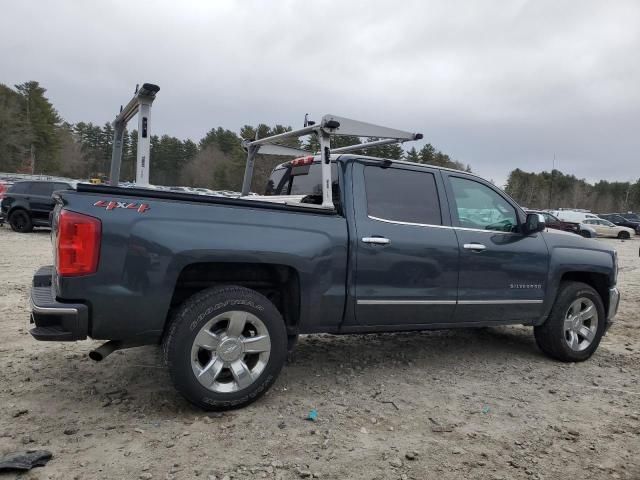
<point x="41" y="188"/>
<point x="479" y="206"/>
<point x="20" y="187"/>
<point x="61" y="186"/>
<point x="402" y="195"/>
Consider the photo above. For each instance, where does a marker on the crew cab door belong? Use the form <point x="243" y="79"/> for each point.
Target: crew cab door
<point x="406" y="254"/>
<point x="502" y="271"/>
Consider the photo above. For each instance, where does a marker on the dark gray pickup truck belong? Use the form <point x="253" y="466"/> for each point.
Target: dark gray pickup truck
<point x="226" y="285"/>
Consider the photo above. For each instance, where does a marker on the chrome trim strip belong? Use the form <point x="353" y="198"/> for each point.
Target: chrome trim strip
<point x="406" y="302"/>
<point x="447" y="302"/>
<point x="497" y="302"/>
<point x="52" y="310"/>
<point x="397" y="222"/>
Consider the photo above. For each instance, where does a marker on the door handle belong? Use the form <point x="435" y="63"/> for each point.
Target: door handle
<point x="478" y="247"/>
<point x="376" y="240"/>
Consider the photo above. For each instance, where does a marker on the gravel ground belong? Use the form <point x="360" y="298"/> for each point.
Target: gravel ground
<point x="482" y="404"/>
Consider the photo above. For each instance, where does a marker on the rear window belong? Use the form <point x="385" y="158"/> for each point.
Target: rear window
<point x="402" y="195"/>
<point x="305" y="180"/>
<point x="20" y="187"/>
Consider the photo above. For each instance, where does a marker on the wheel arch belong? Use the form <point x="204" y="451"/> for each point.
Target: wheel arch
<point x="278" y="283"/>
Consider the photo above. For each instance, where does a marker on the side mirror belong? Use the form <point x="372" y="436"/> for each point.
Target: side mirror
<point x="535" y="223"/>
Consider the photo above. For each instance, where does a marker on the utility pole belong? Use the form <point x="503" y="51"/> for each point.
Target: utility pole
<point x="553" y="167"/>
<point x="32" y="153"/>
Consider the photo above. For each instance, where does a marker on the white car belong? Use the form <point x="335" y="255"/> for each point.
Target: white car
<point x="605" y="228"/>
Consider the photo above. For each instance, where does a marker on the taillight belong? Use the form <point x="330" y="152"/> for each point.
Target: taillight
<point x="297" y="162"/>
<point x="3" y="190"/>
<point x="78" y="244"/>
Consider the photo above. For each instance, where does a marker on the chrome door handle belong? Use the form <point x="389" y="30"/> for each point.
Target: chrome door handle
<point x="376" y="240"/>
<point x="474" y="246"/>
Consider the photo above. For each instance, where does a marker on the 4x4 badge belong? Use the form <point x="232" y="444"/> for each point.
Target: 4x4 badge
<point x="140" y="207"/>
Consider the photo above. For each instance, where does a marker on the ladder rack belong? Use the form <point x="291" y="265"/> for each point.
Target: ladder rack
<point x="328" y="126"/>
<point x="141" y="102"/>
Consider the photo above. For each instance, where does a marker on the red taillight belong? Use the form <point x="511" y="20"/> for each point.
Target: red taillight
<point x="3" y="190"/>
<point x="297" y="162"/>
<point x="78" y="244"/>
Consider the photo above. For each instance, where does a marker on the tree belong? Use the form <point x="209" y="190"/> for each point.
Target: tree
<point x="44" y="122"/>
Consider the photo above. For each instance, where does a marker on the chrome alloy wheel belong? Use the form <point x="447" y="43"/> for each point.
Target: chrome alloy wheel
<point x="580" y="324"/>
<point x="230" y="351"/>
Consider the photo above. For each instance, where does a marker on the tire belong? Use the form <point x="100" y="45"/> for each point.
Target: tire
<point x="585" y="233"/>
<point x="561" y="336"/>
<point x="624" y="235"/>
<point x="20" y="221"/>
<point x="206" y="345"/>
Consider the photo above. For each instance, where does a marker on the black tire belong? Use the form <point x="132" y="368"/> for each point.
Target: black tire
<point x="624" y="235"/>
<point x="550" y="336"/>
<point x="20" y="221"/>
<point x="188" y="321"/>
<point x="585" y="234"/>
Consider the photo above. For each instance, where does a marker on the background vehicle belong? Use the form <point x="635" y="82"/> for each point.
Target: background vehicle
<point x="607" y="229"/>
<point x="619" y="220"/>
<point x="576" y="216"/>
<point x="28" y="204"/>
<point x="229" y="283"/>
<point x="554" y="222"/>
<point x="4" y="186"/>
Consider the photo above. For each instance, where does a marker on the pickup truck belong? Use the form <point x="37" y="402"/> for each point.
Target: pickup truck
<point x="226" y="285"/>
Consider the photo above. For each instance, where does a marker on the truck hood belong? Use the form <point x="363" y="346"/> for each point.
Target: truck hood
<point x="561" y="239"/>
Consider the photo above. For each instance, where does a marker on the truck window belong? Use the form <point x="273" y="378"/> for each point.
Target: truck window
<point x="478" y="206"/>
<point x="402" y="195"/>
<point x="304" y="180"/>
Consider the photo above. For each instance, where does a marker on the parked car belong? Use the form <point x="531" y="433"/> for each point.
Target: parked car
<point x="577" y="216"/>
<point x="619" y="220"/>
<point x="4" y="186"/>
<point x="28" y="204"/>
<point x="605" y="228"/>
<point x="226" y="285"/>
<point x="554" y="222"/>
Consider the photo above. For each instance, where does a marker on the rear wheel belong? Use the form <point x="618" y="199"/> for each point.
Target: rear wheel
<point x="225" y="347"/>
<point x="575" y="326"/>
<point x="624" y="235"/>
<point x="20" y="221"/>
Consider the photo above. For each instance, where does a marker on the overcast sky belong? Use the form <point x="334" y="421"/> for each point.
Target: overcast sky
<point x="497" y="85"/>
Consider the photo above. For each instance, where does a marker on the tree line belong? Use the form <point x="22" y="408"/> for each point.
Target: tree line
<point x="35" y="139"/>
<point x="558" y="190"/>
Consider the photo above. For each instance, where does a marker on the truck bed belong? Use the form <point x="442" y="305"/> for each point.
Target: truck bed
<point x="260" y="202"/>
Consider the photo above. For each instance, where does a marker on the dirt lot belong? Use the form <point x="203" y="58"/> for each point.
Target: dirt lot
<point x="454" y="404"/>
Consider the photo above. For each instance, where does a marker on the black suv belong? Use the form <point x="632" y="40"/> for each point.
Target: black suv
<point x="623" y="220"/>
<point x="27" y="204"/>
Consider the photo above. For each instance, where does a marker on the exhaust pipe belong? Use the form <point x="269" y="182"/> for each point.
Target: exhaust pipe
<point x="105" y="349"/>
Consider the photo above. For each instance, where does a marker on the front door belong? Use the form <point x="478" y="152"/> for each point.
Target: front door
<point x="502" y="271"/>
<point x="406" y="252"/>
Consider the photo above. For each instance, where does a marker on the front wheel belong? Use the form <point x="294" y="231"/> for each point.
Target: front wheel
<point x="624" y="235"/>
<point x="225" y="347"/>
<point x="575" y="326"/>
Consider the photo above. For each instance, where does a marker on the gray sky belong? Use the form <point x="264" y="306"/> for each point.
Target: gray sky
<point x="496" y="84"/>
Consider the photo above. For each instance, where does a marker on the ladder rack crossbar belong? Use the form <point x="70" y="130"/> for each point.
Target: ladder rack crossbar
<point x="328" y="126"/>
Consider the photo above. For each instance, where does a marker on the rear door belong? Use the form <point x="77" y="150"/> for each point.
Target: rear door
<point x="40" y="200"/>
<point x="406" y="252"/>
<point x="502" y="271"/>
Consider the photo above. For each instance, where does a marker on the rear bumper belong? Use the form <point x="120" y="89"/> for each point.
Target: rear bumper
<point x="52" y="320"/>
